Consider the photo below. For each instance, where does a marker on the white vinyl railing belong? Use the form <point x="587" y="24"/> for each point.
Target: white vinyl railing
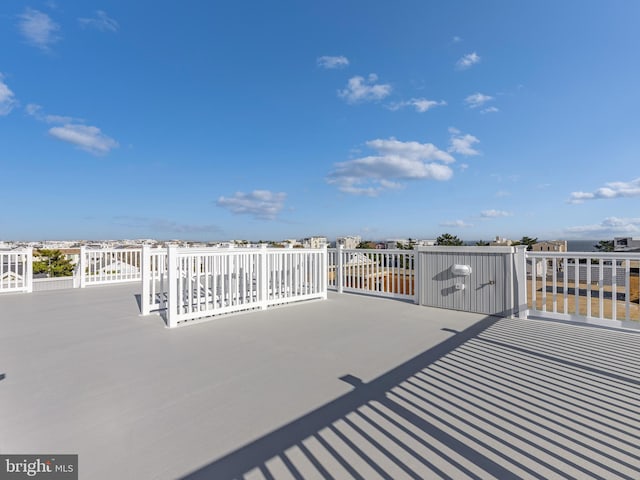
<point x="591" y="286"/>
<point x="387" y="273"/>
<point x="207" y="282"/>
<point x="109" y="265"/>
<point x="154" y="280"/>
<point x="16" y="270"/>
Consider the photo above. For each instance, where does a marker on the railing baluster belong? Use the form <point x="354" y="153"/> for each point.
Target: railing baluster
<point x="565" y="284"/>
<point x="589" y="280"/>
<point x="614" y="289"/>
<point x="576" y="284"/>
<point x="554" y="284"/>
<point x="544" y="284"/>
<point x="601" y="288"/>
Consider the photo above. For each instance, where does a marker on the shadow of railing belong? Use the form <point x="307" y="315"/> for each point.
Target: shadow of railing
<point x="504" y="398"/>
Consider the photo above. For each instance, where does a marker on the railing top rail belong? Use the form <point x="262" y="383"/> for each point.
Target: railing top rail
<point x="241" y="251"/>
<point x="468" y="249"/>
<point x="604" y="255"/>
<point x="372" y="250"/>
<point x="132" y="249"/>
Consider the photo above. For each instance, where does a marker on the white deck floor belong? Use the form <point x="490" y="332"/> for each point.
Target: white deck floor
<point x="350" y="387"/>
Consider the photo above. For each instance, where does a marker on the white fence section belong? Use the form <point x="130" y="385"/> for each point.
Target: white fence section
<point x="190" y="284"/>
<point x="207" y="282"/>
<point x="154" y="280"/>
<point x="53" y="283"/>
<point x="16" y="270"/>
<point x="109" y="265"/>
<point x="584" y="286"/>
<point x="386" y="273"/>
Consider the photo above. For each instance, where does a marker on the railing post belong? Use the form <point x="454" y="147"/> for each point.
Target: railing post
<point x="28" y="273"/>
<point x="339" y="268"/>
<point x="82" y="266"/>
<point x="263" y="286"/>
<point x="520" y="278"/>
<point x="147" y="278"/>
<point x="325" y="271"/>
<point x="172" y="288"/>
<point x="417" y="287"/>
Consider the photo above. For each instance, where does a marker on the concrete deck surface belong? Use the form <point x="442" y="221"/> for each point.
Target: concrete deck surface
<point x="351" y="387"/>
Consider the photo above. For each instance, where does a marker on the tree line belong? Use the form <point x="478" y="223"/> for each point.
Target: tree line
<point x="448" y="240"/>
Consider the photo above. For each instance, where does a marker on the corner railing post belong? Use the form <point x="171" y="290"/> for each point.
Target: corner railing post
<point x="340" y="268"/>
<point x="82" y="266"/>
<point x="520" y="307"/>
<point x="417" y="287"/>
<point x="325" y="271"/>
<point x="172" y="289"/>
<point x="147" y="278"/>
<point x="263" y="284"/>
<point x="28" y="273"/>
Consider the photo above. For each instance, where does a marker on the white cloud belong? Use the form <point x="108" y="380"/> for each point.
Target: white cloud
<point x="494" y="214"/>
<point x="37" y="112"/>
<point x="85" y="137"/>
<point x="456" y="39"/>
<point x="499" y="177"/>
<point x="101" y="21"/>
<point x="411" y="150"/>
<point x="490" y="110"/>
<point x="456" y="224"/>
<point x="477" y="100"/>
<point x="421" y="105"/>
<point x="468" y="61"/>
<point x="330" y="62"/>
<point x="462" y="144"/>
<point x="261" y="204"/>
<point x="361" y="90"/>
<point x="7" y="98"/>
<point x="394" y="161"/>
<point x="610" y="190"/>
<point x="609" y="227"/>
<point x="38" y="28"/>
<point x="503" y="193"/>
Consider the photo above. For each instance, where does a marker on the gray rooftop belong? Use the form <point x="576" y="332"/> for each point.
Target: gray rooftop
<point x="351" y="387"/>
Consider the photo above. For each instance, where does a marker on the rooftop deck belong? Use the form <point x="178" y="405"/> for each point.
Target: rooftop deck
<point x="350" y="387"/>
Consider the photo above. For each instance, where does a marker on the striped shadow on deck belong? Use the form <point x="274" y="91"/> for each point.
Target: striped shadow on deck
<point x="503" y="399"/>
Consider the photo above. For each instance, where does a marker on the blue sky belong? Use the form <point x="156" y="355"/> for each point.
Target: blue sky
<point x="215" y="120"/>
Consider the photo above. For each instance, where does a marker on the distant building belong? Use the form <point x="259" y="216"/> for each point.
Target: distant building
<point x="501" y="242"/>
<point x="426" y="243"/>
<point x="626" y="244"/>
<point x="112" y="266"/>
<point x="349" y="242"/>
<point x="314" y="242"/>
<point x="550" y="246"/>
<point x="292" y="242"/>
<point x="393" y="242"/>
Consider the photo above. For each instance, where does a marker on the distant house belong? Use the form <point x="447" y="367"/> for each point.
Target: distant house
<point x="113" y="267"/>
<point x="349" y="242"/>
<point x="501" y="242"/>
<point x="10" y="278"/>
<point x="626" y="244"/>
<point x="550" y="246"/>
<point x="315" y="242"/>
